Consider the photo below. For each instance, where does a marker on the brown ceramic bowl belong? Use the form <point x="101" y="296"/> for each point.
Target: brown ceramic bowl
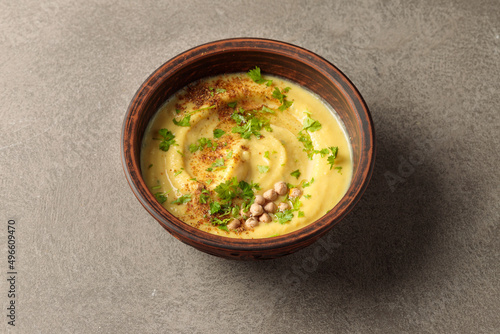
<point x="240" y="55"/>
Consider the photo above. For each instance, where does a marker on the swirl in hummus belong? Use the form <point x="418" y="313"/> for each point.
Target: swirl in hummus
<point x="246" y="156"/>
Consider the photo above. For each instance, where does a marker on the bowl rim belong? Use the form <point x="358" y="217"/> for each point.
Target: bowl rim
<point x="187" y="233"/>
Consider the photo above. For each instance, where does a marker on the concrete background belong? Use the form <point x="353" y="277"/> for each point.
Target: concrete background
<point x="419" y="254"/>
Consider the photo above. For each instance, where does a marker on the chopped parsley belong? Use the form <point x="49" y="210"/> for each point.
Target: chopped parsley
<point x="266" y="109"/>
<point x="295" y="173"/>
<point x="300" y="214"/>
<point x="331" y="158"/>
<point x="223" y="227"/>
<point x="280" y="96"/>
<point x="339" y="169"/>
<point x="311" y="125"/>
<point x="202" y="143"/>
<point x="220" y="90"/>
<point x="266" y="154"/>
<point x="183" y="199"/>
<point x="214" y="207"/>
<point x="307" y="196"/>
<point x="232" y="104"/>
<point x="151" y="165"/>
<point x="284" y="217"/>
<point x="250" y="125"/>
<point x="256" y="76"/>
<point x="168" y="139"/>
<point x="182" y="154"/>
<point x="161" y="197"/>
<point x="204" y="196"/>
<point x="307" y="184"/>
<point x="183" y="122"/>
<point x="178" y="172"/>
<point x="263" y="169"/>
<point x="218" y="163"/>
<point x="218" y="133"/>
<point x="229" y="155"/>
<point x="156" y="187"/>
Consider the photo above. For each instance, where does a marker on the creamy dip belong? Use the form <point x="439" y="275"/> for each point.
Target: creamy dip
<point x="219" y="142"/>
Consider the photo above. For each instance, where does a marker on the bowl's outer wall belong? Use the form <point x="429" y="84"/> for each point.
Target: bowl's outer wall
<point x="240" y="55"/>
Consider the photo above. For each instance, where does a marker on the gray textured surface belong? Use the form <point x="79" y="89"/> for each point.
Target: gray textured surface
<point x="422" y="256"/>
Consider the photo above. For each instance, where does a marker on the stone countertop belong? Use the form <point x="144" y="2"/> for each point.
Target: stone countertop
<point x="420" y="253"/>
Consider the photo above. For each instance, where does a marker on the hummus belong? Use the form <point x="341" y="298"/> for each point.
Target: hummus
<point x="220" y="142"/>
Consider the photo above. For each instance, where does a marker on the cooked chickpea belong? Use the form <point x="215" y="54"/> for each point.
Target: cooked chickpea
<point x="270" y="195"/>
<point x="234" y="224"/>
<point x="251" y="223"/>
<point x="270" y="207"/>
<point x="295" y="192"/>
<point x="256" y="209"/>
<point x="281" y="188"/>
<point x="283" y="206"/>
<point x="265" y="218"/>
<point x="259" y="199"/>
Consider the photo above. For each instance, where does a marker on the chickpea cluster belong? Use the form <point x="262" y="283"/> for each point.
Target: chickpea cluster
<point x="263" y="206"/>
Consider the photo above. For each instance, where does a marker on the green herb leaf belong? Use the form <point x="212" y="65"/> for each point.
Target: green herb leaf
<point x="183" y="199"/>
<point x="307" y="184"/>
<point x="266" y="109"/>
<point x="284" y="216"/>
<point x="232" y="104"/>
<point x="177" y="173"/>
<point x="161" y="197"/>
<point x="300" y="214"/>
<point x="331" y="158"/>
<point x="339" y="169"/>
<point x="220" y="90"/>
<point x="295" y="173"/>
<point x="151" y="165"/>
<point x="183" y="122"/>
<point x="307" y="196"/>
<point x="229" y="155"/>
<point x="223" y="227"/>
<point x="277" y="94"/>
<point x="214" y="207"/>
<point x="263" y="169"/>
<point x="168" y="139"/>
<point x="266" y="154"/>
<point x="311" y="125"/>
<point x="156" y="187"/>
<point x="218" y="133"/>
<point x="256" y="76"/>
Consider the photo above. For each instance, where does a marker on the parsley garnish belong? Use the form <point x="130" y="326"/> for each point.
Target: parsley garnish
<point x="266" y="109"/>
<point x="177" y="173"/>
<point x="331" y="158"/>
<point x="284" y="216"/>
<point x="183" y="199"/>
<point x="295" y="173"/>
<point x="300" y="214"/>
<point x="223" y="227"/>
<point x="229" y="155"/>
<point x="250" y="125"/>
<point x="151" y="165"/>
<point x="220" y="90"/>
<point x="311" y="124"/>
<point x="277" y="94"/>
<point x="218" y="133"/>
<point x="257" y="77"/>
<point x="232" y="104"/>
<point x="183" y="122"/>
<point x="266" y="154"/>
<point x="307" y="196"/>
<point x="214" y="207"/>
<point x="161" y="197"/>
<point x="168" y="139"/>
<point x="263" y="169"/>
<point x="307" y="184"/>
<point x="156" y="187"/>
<point x="339" y="169"/>
<point x="202" y="143"/>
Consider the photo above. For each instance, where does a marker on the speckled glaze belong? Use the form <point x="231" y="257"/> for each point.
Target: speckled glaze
<point x="240" y="55"/>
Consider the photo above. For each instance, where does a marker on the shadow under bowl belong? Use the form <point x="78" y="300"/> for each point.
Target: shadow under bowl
<point x="239" y="55"/>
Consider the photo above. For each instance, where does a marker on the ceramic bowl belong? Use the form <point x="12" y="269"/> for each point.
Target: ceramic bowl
<point x="239" y="55"/>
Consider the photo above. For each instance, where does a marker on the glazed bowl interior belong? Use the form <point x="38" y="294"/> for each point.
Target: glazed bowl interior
<point x="240" y="55"/>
